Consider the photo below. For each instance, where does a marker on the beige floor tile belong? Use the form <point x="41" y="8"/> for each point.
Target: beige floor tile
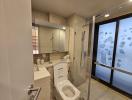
<point x="99" y="91"/>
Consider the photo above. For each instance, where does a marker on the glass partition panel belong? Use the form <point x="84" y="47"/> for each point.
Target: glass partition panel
<point x="105" y="50"/>
<point x="123" y="55"/>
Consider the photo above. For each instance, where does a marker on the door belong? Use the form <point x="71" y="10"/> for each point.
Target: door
<point x="16" y="72"/>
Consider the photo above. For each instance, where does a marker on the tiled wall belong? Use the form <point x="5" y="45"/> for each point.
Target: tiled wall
<point x="57" y="55"/>
<point x="45" y="56"/>
<point x="49" y="56"/>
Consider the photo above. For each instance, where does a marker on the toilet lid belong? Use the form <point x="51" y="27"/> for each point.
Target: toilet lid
<point x="60" y="72"/>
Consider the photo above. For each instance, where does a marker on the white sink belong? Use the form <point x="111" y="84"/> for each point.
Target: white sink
<point x="42" y="73"/>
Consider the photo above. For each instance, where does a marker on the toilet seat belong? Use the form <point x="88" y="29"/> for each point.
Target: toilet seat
<point x="64" y="88"/>
<point x="66" y="83"/>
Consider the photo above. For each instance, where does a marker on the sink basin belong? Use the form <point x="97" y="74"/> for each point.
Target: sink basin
<point x="42" y="73"/>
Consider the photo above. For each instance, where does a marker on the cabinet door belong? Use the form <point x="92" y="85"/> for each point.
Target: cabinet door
<point x="62" y="41"/>
<point x="45" y="40"/>
<point x="67" y="38"/>
<point x="56" y="40"/>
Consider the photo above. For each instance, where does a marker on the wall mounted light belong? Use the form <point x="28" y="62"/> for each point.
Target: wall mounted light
<point x="120" y="7"/>
<point x="107" y="15"/>
<point x="64" y="28"/>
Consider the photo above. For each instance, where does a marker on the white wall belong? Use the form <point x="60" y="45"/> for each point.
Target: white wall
<point x="39" y="17"/>
<point x="15" y="49"/>
<point x="57" y="19"/>
<point x="46" y="18"/>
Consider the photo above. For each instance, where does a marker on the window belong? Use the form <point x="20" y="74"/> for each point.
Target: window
<point x="123" y="58"/>
<point x="112" y="53"/>
<point x="35" y="40"/>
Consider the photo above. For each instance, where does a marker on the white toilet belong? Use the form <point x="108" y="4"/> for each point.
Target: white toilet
<point x="65" y="90"/>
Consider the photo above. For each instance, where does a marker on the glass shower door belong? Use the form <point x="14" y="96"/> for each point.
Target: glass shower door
<point x="123" y="58"/>
<point x="105" y="50"/>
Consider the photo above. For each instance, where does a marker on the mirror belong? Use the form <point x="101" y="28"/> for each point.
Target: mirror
<point x="47" y="39"/>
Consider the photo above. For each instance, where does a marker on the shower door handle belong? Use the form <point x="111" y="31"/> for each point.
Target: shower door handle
<point x="33" y="92"/>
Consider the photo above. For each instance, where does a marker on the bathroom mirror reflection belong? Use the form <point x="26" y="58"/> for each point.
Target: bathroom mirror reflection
<point x="47" y="39"/>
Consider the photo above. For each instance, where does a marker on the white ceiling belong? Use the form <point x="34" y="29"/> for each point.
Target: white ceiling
<point x="68" y="7"/>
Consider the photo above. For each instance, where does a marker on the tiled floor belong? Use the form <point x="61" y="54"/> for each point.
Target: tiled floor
<point x="100" y="92"/>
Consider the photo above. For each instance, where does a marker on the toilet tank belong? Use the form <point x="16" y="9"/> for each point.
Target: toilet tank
<point x="60" y="72"/>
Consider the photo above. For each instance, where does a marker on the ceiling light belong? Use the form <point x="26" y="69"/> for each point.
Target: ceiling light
<point x="106" y="15"/>
<point x="130" y="0"/>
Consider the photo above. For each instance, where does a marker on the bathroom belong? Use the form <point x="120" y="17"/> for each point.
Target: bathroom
<point x="65" y="50"/>
<point x="52" y="37"/>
